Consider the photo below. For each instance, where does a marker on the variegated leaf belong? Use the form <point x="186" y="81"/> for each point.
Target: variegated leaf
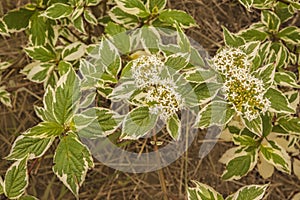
<point x="238" y="163"/>
<point x="16" y="179"/>
<point x="5" y="97"/>
<point x="277" y="156"/>
<point x="29" y="146"/>
<point x="174" y="127"/>
<point x="137" y="123"/>
<point x="72" y="160"/>
<point x="215" y="113"/>
<point x="203" y="191"/>
<point x="253" y="192"/>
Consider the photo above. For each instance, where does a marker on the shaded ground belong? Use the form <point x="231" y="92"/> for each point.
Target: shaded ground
<point x="104" y="182"/>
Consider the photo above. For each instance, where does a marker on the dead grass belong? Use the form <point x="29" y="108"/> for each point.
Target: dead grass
<point x="104" y="182"/>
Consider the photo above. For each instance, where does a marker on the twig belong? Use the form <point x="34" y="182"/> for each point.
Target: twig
<point x="160" y="171"/>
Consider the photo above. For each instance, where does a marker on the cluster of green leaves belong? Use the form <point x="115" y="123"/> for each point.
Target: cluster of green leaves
<point x="61" y="43"/>
<point x="100" y="72"/>
<point x="202" y="191"/>
<point x="75" y="64"/>
<point x="272" y="138"/>
<point x="280" y="43"/>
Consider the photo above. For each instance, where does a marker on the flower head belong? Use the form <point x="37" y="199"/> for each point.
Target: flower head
<point x="245" y="92"/>
<point x="230" y="59"/>
<point x="146" y="69"/>
<point x="163" y="99"/>
<point x="160" y="94"/>
<point x="242" y="89"/>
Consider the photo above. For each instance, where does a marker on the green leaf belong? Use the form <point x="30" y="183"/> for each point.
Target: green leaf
<point x="33" y="147"/>
<point x="195" y="58"/>
<point x="28" y="197"/>
<point x="3" y="28"/>
<point x="173" y="127"/>
<point x="287" y="79"/>
<point x="290" y="34"/>
<point x="206" y="91"/>
<point x="253" y="192"/>
<point x="263" y="54"/>
<point x="63" y="67"/>
<point x="231" y="39"/>
<point x="89" y="17"/>
<point x="252" y="49"/>
<point x="278" y="55"/>
<point x="58" y="11"/>
<point x="182" y="40"/>
<point x="253" y="34"/>
<point x="239" y="164"/>
<point x="296" y="5"/>
<point x="47" y="113"/>
<point x="109" y="57"/>
<point x="133" y="7"/>
<point x="73" y="51"/>
<point x="38" y="30"/>
<point x="177" y="16"/>
<point x="66" y="97"/>
<point x="247" y="4"/>
<point x="119" y="37"/>
<point x="202" y="191"/>
<point x="200" y="76"/>
<point x="267" y="124"/>
<point x="121" y="17"/>
<point x="123" y="91"/>
<point x="38" y="72"/>
<point x="276" y="156"/>
<point x="78" y="12"/>
<point x="284" y="11"/>
<point x="45" y="130"/>
<point x="79" y="25"/>
<point x="177" y="61"/>
<point x="215" y="113"/>
<point x="271" y="20"/>
<point x="17" y="20"/>
<point x="113" y="29"/>
<point x="97" y="122"/>
<point x="279" y="102"/>
<point x="89" y="73"/>
<point x="254" y="125"/>
<point x="156" y="6"/>
<point x="150" y="39"/>
<point x="263" y="4"/>
<point x="244" y="140"/>
<point x="266" y="74"/>
<point x="41" y="53"/>
<point x="16" y="179"/>
<point x="293" y="98"/>
<point x="137" y="123"/>
<point x="291" y="125"/>
<point x="72" y="160"/>
<point x="5" y="97"/>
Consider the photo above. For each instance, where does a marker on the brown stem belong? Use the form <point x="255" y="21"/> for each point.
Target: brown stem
<point x="160" y="171"/>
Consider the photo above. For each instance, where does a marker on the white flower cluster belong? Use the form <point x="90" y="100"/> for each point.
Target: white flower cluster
<point x="161" y="95"/>
<point x="230" y="59"/>
<point x="242" y="89"/>
<point x="164" y="99"/>
<point x="146" y="69"/>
